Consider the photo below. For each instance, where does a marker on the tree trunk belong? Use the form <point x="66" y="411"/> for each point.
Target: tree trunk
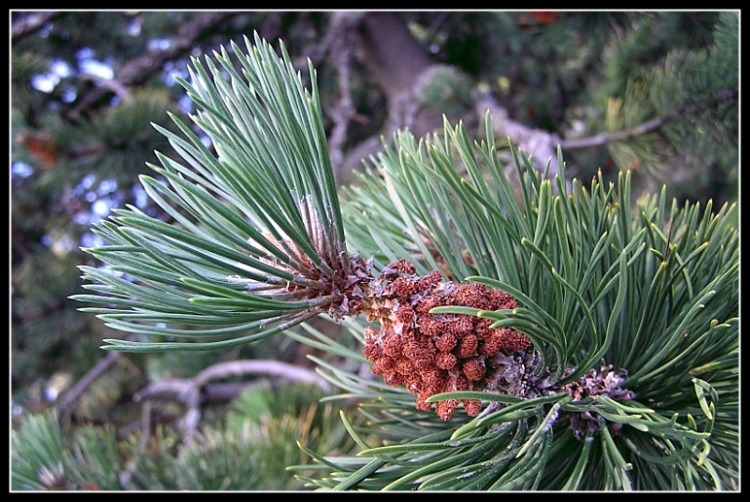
<point x="397" y="61"/>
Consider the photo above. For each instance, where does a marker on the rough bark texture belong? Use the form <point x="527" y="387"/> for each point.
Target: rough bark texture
<point x="392" y="55"/>
<point x="541" y="145"/>
<point x="402" y="67"/>
<point x="397" y="62"/>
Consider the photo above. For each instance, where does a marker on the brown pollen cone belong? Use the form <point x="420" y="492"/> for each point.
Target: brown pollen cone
<point x="434" y="353"/>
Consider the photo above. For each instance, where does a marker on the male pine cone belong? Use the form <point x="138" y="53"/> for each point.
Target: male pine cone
<point x="435" y="353"/>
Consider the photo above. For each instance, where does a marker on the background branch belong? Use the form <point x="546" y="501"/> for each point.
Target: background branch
<point x="31" y="23"/>
<point x="540" y="144"/>
<point x="138" y="70"/>
<point x="340" y="47"/>
<point x="279" y="369"/>
<point x="396" y="61"/>
<point x="649" y="125"/>
<point x="109" y="84"/>
<point x="75" y="392"/>
<point x="188" y="391"/>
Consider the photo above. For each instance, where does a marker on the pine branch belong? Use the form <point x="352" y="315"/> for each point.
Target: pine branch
<point x="653" y="124"/>
<point x="573" y="290"/>
<point x="581" y="318"/>
<point x="261" y="235"/>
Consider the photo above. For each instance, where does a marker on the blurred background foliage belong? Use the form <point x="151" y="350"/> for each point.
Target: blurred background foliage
<point x="653" y="92"/>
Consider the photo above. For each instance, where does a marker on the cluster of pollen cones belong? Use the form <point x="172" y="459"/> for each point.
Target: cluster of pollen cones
<point x="435" y="353"/>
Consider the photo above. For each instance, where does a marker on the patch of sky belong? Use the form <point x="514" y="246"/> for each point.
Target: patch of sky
<point x="61" y="68"/>
<point x="83" y="185"/>
<point x="101" y="207"/>
<point x="141" y="197"/>
<point x="158" y="44"/>
<point x="45" y="82"/>
<point x="21" y="169"/>
<point x="134" y="27"/>
<point x="106" y="186"/>
<point x="97" y="68"/>
<point x="69" y="95"/>
<point x="205" y="140"/>
<point x="63" y="245"/>
<point x="85" y="53"/>
<point x="88" y="64"/>
<point x="91" y="240"/>
<point x="82" y="218"/>
<point x="185" y="104"/>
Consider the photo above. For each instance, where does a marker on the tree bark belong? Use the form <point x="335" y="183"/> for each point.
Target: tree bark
<point x="396" y="61"/>
<point x="393" y="57"/>
<point x="401" y="67"/>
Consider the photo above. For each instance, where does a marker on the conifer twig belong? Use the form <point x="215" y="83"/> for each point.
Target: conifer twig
<point x="649" y="125"/>
<point x="548" y="319"/>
